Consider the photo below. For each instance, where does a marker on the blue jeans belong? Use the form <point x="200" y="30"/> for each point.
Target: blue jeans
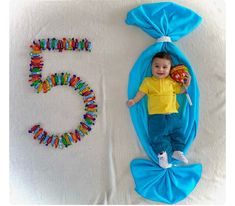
<point x="166" y="133"/>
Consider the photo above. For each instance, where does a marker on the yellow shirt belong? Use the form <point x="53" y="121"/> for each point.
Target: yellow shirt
<point x="161" y="94"/>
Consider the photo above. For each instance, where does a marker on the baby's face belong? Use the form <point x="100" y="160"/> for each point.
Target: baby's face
<point x="161" y="68"/>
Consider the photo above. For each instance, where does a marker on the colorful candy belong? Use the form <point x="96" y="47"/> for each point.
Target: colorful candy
<point x="45" y="85"/>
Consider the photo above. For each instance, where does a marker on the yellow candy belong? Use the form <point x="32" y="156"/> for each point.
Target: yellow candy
<point x="36" y="52"/>
<point x="67" y="139"/>
<point x="83" y="130"/>
<point x="39" y="88"/>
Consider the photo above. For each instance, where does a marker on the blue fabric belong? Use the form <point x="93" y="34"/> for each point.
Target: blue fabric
<point x="166" y="133"/>
<point x="164" y="185"/>
<point x="152" y="182"/>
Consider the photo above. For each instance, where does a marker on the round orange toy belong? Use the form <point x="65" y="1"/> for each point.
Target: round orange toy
<point x="179" y="73"/>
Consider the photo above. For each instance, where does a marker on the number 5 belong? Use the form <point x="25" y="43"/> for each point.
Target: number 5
<point x="45" y="85"/>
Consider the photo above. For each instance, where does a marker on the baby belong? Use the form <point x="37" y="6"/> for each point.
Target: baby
<point x="164" y="125"/>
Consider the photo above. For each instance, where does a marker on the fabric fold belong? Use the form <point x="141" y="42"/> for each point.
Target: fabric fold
<point x="157" y="184"/>
<point x="164" y="19"/>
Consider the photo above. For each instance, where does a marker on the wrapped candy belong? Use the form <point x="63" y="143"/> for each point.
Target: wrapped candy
<point x="167" y="23"/>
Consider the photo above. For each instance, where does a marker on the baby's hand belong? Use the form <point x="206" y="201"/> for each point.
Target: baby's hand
<point x="130" y="102"/>
<point x="187" y="80"/>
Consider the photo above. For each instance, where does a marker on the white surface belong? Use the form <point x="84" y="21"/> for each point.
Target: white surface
<point x="96" y="170"/>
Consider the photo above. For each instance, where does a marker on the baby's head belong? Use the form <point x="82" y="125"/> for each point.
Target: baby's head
<point x="161" y="65"/>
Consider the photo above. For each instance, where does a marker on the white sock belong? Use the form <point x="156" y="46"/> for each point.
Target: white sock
<point x="163" y="160"/>
<point x="180" y="156"/>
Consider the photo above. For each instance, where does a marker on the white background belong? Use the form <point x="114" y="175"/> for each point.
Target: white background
<point x="96" y="170"/>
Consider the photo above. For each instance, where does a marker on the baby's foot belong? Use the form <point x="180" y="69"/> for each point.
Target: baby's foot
<point x="180" y="156"/>
<point x="163" y="161"/>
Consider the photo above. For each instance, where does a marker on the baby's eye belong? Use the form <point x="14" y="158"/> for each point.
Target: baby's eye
<point x="165" y="67"/>
<point x="157" y="66"/>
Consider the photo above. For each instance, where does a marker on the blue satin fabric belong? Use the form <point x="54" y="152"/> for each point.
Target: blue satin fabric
<point x="152" y="182"/>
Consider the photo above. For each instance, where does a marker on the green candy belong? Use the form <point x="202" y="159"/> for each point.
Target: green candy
<point x="62" y="79"/>
<point x="56" y="79"/>
<point x="80" y="85"/>
<point x="88" y="121"/>
<point x="64" y="141"/>
<point x="67" y="139"/>
<point x="36" y="69"/>
<point x="35" y="83"/>
<point x="53" y="44"/>
<point x="82" y="44"/>
<point x="42" y="43"/>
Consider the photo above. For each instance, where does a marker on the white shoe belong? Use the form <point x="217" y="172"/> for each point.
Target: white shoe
<point x="178" y="155"/>
<point x="163" y="161"/>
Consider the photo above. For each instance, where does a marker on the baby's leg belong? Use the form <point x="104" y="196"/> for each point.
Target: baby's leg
<point x="176" y="132"/>
<point x="178" y="144"/>
<point x="177" y="140"/>
<point x="159" y="140"/>
<point x="177" y="137"/>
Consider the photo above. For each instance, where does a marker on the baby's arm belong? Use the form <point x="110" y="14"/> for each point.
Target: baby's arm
<point x="136" y="99"/>
<point x="187" y="82"/>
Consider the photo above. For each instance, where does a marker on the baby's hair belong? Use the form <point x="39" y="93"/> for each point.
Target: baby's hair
<point x="162" y="55"/>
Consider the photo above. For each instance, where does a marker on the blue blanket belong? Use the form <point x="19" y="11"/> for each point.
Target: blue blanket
<point x="152" y="182"/>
